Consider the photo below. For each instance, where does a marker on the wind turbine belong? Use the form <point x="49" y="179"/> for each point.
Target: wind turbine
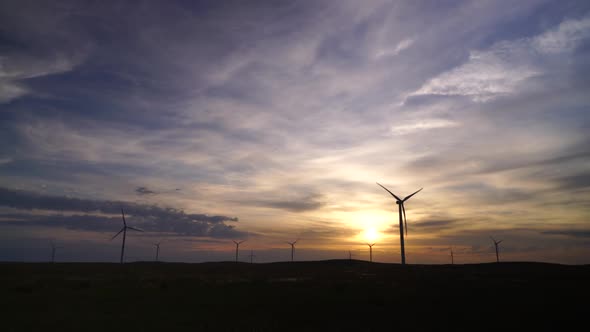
<point x="157" y="245"/>
<point x="403" y="222"/>
<point x="292" y="248"/>
<point x="496" y="243"/>
<point x="452" y="257"/>
<point x="124" y="231"/>
<point x="371" y="252"/>
<point x="252" y="256"/>
<point x="238" y="248"/>
<point x="53" y="249"/>
<point x="349" y="255"/>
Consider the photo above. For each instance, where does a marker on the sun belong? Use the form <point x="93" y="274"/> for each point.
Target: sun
<point x="371" y="234"/>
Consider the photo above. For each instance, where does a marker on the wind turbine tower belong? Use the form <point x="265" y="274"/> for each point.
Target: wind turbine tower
<point x="252" y="256"/>
<point x="53" y="249"/>
<point x="452" y="257"/>
<point x="403" y="222"/>
<point x="370" y="251"/>
<point x="496" y="243"/>
<point x="124" y="231"/>
<point x="157" y="245"/>
<point x="292" y="248"/>
<point x="238" y="248"/>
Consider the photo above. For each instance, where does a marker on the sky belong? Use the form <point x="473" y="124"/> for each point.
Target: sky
<point x="272" y="121"/>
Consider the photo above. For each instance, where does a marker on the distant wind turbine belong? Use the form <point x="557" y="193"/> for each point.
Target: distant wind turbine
<point x="53" y="249"/>
<point x="349" y="255"/>
<point x="157" y="245"/>
<point x="124" y="231"/>
<point x="252" y="256"/>
<point x="496" y="243"/>
<point x="238" y="248"/>
<point x="370" y="251"/>
<point x="292" y="248"/>
<point x="403" y="222"/>
<point x="452" y="257"/>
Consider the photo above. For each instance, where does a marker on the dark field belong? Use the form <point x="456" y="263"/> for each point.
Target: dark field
<point x="327" y="295"/>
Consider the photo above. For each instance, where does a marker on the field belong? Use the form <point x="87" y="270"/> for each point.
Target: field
<point x="325" y="295"/>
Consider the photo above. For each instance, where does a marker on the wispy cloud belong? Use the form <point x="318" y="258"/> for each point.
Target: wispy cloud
<point x="297" y="204"/>
<point x="5" y="160"/>
<point x="15" y="69"/>
<point x="421" y="125"/>
<point x="402" y="45"/>
<point x="503" y="68"/>
<point x="565" y="38"/>
<point x="487" y="75"/>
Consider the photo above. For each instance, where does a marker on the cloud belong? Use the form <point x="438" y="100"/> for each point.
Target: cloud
<point x="573" y="182"/>
<point x="296" y="204"/>
<point x="569" y="233"/>
<point x="16" y="69"/>
<point x="501" y="69"/>
<point x="565" y="38"/>
<point x="486" y="75"/>
<point x="183" y="226"/>
<point x="421" y="125"/>
<point x="443" y="223"/>
<point x="402" y="45"/>
<point x="487" y="194"/>
<point x="144" y="191"/>
<point x="5" y="160"/>
<point x="149" y="217"/>
<point x="10" y="90"/>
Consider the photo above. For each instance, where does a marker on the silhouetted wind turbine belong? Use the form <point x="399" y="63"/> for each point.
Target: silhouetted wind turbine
<point x="53" y="249"/>
<point x="371" y="252"/>
<point x="452" y="257"/>
<point x="292" y="248"/>
<point x="238" y="248"/>
<point x="157" y="245"/>
<point x="496" y="243"/>
<point x="252" y="256"/>
<point x="124" y="231"/>
<point x="403" y="222"/>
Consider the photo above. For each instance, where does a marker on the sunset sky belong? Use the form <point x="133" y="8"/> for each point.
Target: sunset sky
<point x="271" y="121"/>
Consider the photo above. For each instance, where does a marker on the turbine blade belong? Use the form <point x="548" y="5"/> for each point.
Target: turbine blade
<point x="499" y="242"/>
<point x="408" y="197"/>
<point x="493" y="239"/>
<point x="135" y="229"/>
<point x="122" y="229"/>
<point x="123" y="215"/>
<point x="392" y="194"/>
<point x="405" y="219"/>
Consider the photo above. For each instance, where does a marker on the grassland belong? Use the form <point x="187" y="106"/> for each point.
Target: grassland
<point x="334" y="295"/>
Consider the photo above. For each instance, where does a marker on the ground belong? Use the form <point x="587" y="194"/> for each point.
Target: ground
<point x="325" y="295"/>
